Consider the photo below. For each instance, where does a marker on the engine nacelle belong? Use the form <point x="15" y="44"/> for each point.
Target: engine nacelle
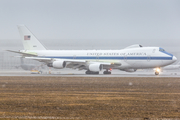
<point x="130" y="70"/>
<point x="57" y="64"/>
<point x="95" y="67"/>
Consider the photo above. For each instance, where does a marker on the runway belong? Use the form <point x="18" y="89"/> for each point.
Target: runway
<point x="75" y="73"/>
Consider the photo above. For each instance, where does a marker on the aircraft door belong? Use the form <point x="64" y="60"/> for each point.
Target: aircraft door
<point x="148" y="58"/>
<point x="97" y="58"/>
<point x="74" y="57"/>
<point x="125" y="58"/>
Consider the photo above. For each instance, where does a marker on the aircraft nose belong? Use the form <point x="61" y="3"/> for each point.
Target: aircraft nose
<point x="174" y="59"/>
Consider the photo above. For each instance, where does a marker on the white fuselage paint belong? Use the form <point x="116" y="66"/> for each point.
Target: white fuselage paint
<point x="133" y="58"/>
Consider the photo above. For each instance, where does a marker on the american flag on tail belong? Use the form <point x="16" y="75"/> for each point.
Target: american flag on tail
<point x="27" y="37"/>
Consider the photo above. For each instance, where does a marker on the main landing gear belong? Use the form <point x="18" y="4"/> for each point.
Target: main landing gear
<point x="92" y="73"/>
<point x="107" y="72"/>
<point x="96" y="73"/>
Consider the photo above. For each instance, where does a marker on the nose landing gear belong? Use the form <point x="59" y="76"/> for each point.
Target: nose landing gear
<point x="156" y="73"/>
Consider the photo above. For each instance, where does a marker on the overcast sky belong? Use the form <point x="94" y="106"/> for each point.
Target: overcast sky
<point x="94" y="22"/>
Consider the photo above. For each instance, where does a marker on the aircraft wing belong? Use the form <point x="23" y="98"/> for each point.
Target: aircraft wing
<point x="76" y="64"/>
<point x="48" y="60"/>
<point x="24" y="54"/>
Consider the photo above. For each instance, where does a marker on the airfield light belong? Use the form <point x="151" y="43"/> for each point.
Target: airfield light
<point x="158" y="69"/>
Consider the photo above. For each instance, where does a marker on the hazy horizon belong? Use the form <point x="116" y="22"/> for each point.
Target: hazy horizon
<point x="91" y="23"/>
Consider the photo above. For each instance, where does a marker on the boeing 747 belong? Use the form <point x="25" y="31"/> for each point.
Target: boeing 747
<point x="128" y="59"/>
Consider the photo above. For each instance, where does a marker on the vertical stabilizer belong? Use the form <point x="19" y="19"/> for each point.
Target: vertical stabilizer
<point x="30" y="42"/>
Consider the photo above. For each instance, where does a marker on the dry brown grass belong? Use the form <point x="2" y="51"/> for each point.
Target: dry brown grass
<point x="89" y="98"/>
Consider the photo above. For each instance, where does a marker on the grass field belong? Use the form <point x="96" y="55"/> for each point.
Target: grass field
<point x="89" y="98"/>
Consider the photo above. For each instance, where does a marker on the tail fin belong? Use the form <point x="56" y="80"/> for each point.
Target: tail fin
<point x="30" y="42"/>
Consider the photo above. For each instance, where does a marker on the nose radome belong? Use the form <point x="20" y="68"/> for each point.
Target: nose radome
<point x="174" y="58"/>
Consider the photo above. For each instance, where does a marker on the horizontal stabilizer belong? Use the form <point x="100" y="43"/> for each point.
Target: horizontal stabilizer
<point x="24" y="54"/>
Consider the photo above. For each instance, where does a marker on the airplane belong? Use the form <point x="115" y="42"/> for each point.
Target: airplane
<point x="169" y="67"/>
<point x="128" y="59"/>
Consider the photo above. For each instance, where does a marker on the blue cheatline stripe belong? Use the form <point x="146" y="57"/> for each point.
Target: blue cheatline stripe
<point x="114" y="58"/>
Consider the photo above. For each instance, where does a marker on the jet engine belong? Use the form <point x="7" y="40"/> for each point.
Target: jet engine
<point x="95" y="67"/>
<point x="57" y="64"/>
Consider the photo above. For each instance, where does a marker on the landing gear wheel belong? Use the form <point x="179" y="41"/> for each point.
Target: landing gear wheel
<point x="156" y="73"/>
<point x="92" y="73"/>
<point x="88" y="72"/>
<point x="106" y="72"/>
<point x="96" y="73"/>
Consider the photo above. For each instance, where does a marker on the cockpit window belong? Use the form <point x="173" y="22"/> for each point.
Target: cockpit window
<point x="161" y="49"/>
